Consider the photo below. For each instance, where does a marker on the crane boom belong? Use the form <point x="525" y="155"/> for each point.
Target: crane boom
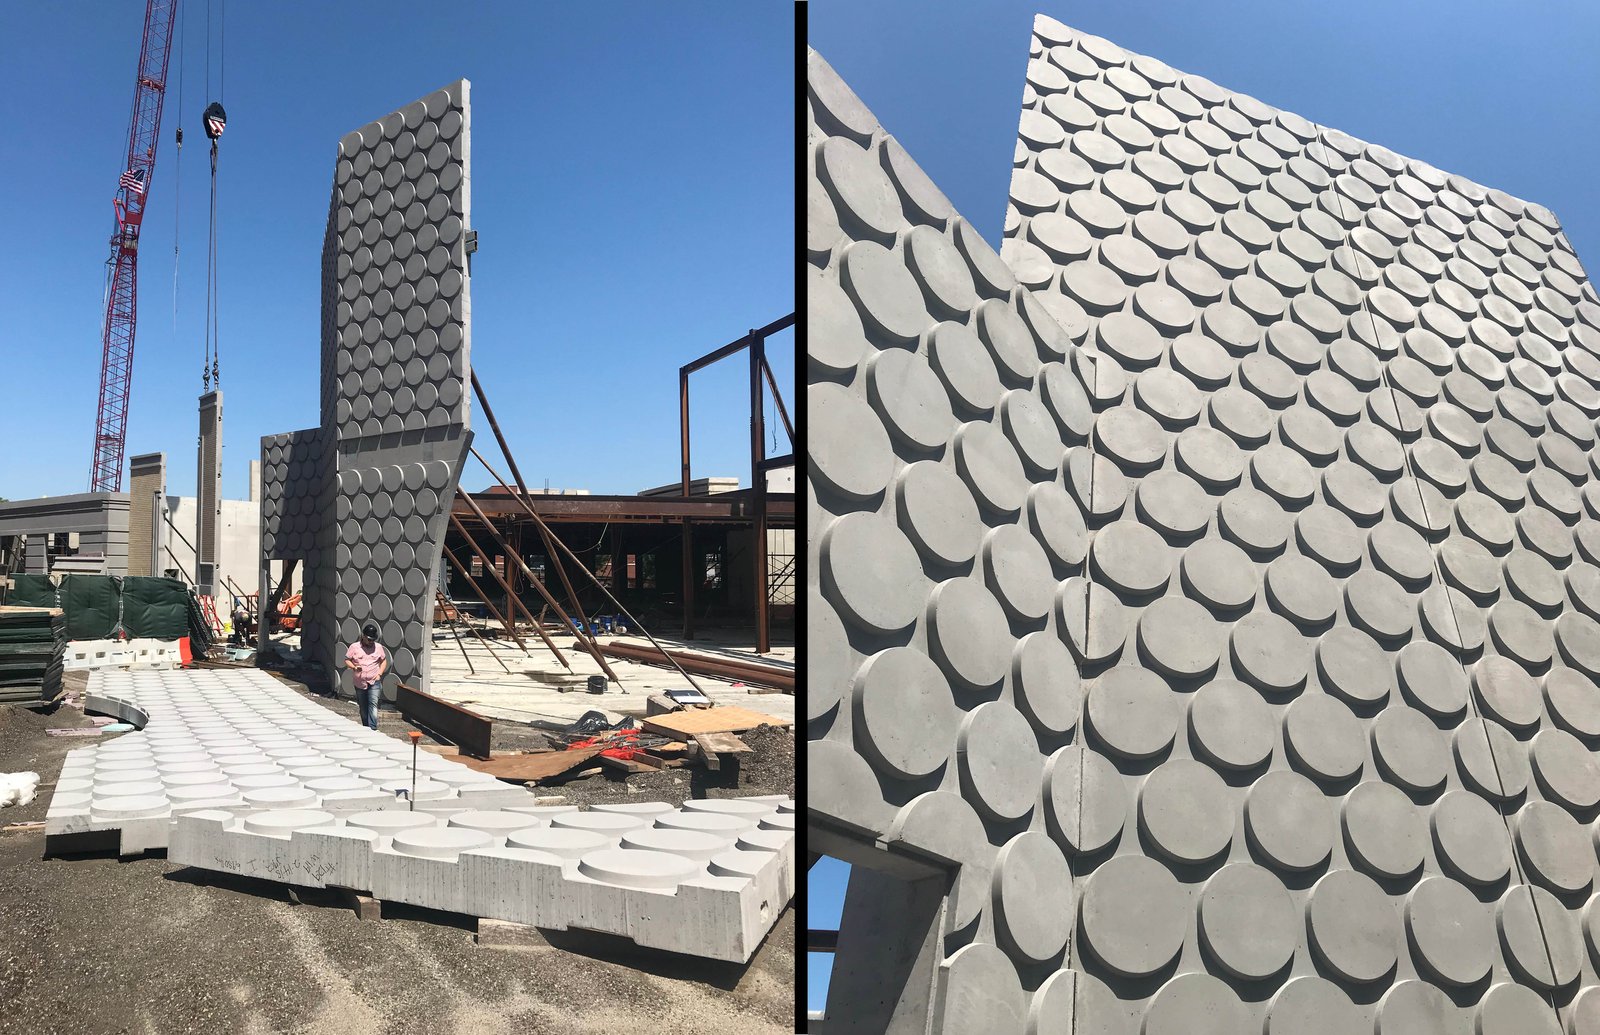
<point x="133" y="194"/>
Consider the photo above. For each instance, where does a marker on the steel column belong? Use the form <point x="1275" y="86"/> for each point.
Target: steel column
<point x="688" y="534"/>
<point x="758" y="485"/>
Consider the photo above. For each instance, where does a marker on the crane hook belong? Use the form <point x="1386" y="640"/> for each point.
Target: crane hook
<point x="216" y="120"/>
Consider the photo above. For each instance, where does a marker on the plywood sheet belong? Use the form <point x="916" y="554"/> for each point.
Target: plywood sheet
<point x="684" y="725"/>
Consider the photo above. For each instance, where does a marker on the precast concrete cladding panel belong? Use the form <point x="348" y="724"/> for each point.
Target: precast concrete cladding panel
<point x="1210" y="577"/>
<point x="370" y="502"/>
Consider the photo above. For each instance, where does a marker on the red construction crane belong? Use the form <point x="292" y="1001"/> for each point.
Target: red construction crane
<point x="133" y="194"/>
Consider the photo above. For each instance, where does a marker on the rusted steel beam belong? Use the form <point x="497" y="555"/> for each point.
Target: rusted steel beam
<point x="438" y="598"/>
<point x="488" y="565"/>
<point x="725" y="508"/>
<point x="494" y="533"/>
<point x="468" y="731"/>
<point x="734" y="346"/>
<point x="632" y="621"/>
<point x="484" y="597"/>
<point x="441" y="601"/>
<point x="544" y="532"/>
<point x="738" y="671"/>
<point x="758" y="486"/>
<point x="268" y="615"/>
<point x="492" y="652"/>
<point x="494" y="425"/>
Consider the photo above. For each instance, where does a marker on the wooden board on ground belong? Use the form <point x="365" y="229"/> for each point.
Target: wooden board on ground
<point x="716" y="747"/>
<point x="726" y="719"/>
<point x="629" y="765"/>
<point x="721" y="744"/>
<point x="531" y="768"/>
<point x="451" y="751"/>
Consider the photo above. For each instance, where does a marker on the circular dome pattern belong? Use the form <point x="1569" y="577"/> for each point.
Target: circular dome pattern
<point x="1310" y="488"/>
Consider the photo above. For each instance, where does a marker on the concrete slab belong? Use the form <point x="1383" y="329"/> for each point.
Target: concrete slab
<point x="240" y="739"/>
<point x="634" y="875"/>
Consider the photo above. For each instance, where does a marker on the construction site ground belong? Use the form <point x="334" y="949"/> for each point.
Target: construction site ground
<point x="538" y="686"/>
<point x="98" y="944"/>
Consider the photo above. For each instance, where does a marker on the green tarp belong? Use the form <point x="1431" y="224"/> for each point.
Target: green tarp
<point x="32" y="591"/>
<point x="93" y="604"/>
<point x="97" y="606"/>
<point x="157" y="608"/>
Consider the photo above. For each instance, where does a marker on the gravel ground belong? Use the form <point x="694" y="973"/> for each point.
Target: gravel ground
<point x="94" y="944"/>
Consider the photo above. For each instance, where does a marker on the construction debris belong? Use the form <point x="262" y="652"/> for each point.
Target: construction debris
<point x="685" y="725"/>
<point x="533" y="767"/>
<point x="17" y="788"/>
<point x="32" y="641"/>
<point x="715" y="748"/>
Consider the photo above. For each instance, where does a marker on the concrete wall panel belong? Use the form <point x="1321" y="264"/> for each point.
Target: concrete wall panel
<point x="396" y="348"/>
<point x="1205" y="579"/>
<point x="147" y="482"/>
<point x="208" y="494"/>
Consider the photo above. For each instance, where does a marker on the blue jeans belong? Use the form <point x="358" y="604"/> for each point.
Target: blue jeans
<point x="369" y="703"/>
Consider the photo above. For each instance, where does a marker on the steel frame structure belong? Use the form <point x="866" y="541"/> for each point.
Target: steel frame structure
<point x="760" y="464"/>
<point x="116" y="361"/>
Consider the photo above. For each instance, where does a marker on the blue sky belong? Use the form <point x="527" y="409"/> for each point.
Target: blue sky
<point x="1503" y="94"/>
<point x="632" y="186"/>
<point x="824" y="902"/>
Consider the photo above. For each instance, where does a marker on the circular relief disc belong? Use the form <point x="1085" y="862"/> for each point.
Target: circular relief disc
<point x="1324" y="737"/>
<point x="1384" y="831"/>
<point x="1231" y="725"/>
<point x="1085" y="801"/>
<point x="1290" y="822"/>
<point x="1353" y="926"/>
<point x="1185" y="809"/>
<point x="1133" y="915"/>
<point x="1469" y="836"/>
<point x="1133" y="713"/>
<point x="1248" y="922"/>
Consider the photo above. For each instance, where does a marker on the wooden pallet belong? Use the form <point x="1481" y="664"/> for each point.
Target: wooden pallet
<point x="726" y="719"/>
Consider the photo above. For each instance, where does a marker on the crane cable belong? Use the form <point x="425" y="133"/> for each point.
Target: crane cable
<point x="214" y="120"/>
<point x="222" y="92"/>
<point x="213" y="343"/>
<point x="177" y="177"/>
<point x="205" y="361"/>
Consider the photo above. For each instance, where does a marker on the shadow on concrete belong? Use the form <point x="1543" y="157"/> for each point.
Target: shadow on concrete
<point x="612" y="948"/>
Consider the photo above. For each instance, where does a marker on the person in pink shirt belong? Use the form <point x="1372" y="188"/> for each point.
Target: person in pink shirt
<point x="369" y="661"/>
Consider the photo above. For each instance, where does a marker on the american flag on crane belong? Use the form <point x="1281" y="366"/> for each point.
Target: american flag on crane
<point x="133" y="180"/>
